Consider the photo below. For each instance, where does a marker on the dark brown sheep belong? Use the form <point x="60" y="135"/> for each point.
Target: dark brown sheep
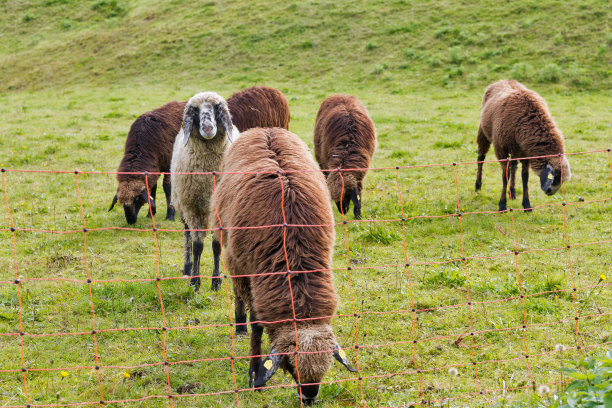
<point x="250" y="200"/>
<point x="259" y="106"/>
<point x="517" y="121"/>
<point x="345" y="138"/>
<point x="148" y="147"/>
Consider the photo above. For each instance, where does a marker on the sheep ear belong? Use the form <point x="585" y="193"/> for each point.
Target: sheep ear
<point x="113" y="204"/>
<point x="187" y="125"/>
<point x="267" y="368"/>
<point x="222" y="114"/>
<point x="340" y="355"/>
<point x="568" y="173"/>
<point x="146" y="198"/>
<point x="547" y="177"/>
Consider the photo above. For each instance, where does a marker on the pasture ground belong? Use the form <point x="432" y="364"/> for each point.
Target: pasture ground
<point x="420" y="69"/>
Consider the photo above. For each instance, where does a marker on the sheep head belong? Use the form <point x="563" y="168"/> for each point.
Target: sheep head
<point x="345" y="187"/>
<point x="312" y="361"/>
<point x="132" y="195"/>
<point x="204" y="115"/>
<point x="553" y="174"/>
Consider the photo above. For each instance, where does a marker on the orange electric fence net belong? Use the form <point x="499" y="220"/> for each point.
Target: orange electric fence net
<point x="432" y="319"/>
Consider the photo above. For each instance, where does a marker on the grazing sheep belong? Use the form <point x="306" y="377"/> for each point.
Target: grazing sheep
<point x="200" y="147"/>
<point x="249" y="200"/>
<point x="517" y="121"/>
<point x="344" y="137"/>
<point x="259" y="106"/>
<point x="148" y="147"/>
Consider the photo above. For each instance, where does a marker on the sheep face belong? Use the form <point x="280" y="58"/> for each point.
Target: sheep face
<point x="312" y="362"/>
<point x="344" y="189"/>
<point x="204" y="114"/>
<point x="551" y="177"/>
<point x="132" y="195"/>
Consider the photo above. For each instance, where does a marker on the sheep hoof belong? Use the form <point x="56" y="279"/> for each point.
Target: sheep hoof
<point x="241" y="330"/>
<point x="215" y="284"/>
<point x="502" y="206"/>
<point x="477" y="186"/>
<point x="170" y="216"/>
<point x="195" y="282"/>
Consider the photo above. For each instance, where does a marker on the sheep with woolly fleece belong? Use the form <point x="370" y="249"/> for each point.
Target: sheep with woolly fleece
<point x="516" y="120"/>
<point x="148" y="147"/>
<point x="199" y="147"/>
<point x="344" y="138"/>
<point x="306" y="293"/>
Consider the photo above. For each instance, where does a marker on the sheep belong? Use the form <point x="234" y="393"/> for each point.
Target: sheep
<point x="254" y="199"/>
<point x="199" y="147"/>
<point x="148" y="147"/>
<point x="344" y="138"/>
<point x="259" y="106"/>
<point x="517" y="121"/>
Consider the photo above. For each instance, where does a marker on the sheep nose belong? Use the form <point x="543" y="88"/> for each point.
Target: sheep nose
<point x="309" y="394"/>
<point x="208" y="130"/>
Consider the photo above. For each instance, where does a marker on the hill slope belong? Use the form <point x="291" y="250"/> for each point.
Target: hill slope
<point x="58" y="43"/>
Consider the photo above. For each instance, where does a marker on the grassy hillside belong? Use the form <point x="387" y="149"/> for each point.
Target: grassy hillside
<point x="75" y="74"/>
<point x="303" y="45"/>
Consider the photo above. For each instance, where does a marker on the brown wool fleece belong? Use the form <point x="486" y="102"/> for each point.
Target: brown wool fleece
<point x="259" y="106"/>
<point x="344" y="137"/>
<point x="148" y="147"/>
<point x="517" y="122"/>
<point x="250" y="200"/>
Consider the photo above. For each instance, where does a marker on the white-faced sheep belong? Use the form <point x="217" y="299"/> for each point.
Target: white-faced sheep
<point x="256" y="199"/>
<point x="199" y="147"/>
<point x="517" y="121"/>
<point x="344" y="138"/>
<point x="148" y="147"/>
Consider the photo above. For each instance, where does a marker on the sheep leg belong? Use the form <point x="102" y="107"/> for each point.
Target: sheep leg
<point x="356" y="198"/>
<point x="216" y="281"/>
<point x="483" y="148"/>
<point x="153" y="209"/>
<point x="198" y="247"/>
<point x="168" y="193"/>
<point x="188" y="251"/>
<point x="241" y="317"/>
<point x="256" y="333"/>
<point x="525" y="177"/>
<point x="513" y="166"/>
<point x="502" y="199"/>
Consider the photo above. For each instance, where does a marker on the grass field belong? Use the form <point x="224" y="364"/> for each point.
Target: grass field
<point x="76" y="74"/>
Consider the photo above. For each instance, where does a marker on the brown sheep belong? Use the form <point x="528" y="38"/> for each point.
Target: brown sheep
<point x="249" y="200"/>
<point x="148" y="147"/>
<point x="517" y="121"/>
<point x="259" y="106"/>
<point x="344" y="138"/>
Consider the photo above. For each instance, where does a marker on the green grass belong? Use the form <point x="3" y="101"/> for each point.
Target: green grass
<point x="76" y="74"/>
